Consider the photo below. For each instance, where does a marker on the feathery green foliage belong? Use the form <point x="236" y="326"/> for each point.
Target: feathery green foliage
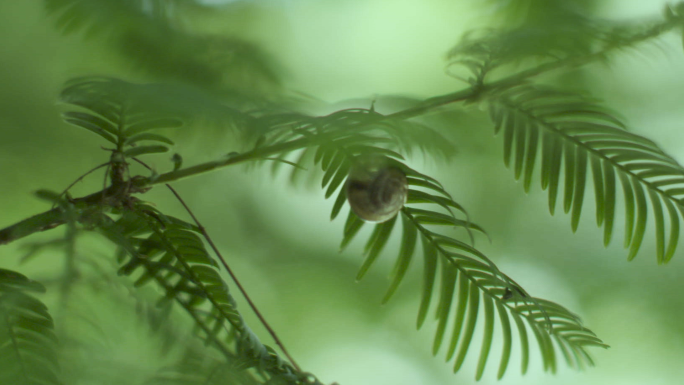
<point x="170" y="253"/>
<point x="28" y="345"/>
<point x="477" y="278"/>
<point x="576" y="135"/>
<point x="430" y="207"/>
<point x="148" y="33"/>
<point x="226" y="80"/>
<point x="120" y="113"/>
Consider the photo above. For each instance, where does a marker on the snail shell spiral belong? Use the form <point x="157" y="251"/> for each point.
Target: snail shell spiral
<point x="376" y="194"/>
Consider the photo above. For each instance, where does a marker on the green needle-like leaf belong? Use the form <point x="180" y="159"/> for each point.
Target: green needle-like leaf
<point x="461" y="306"/>
<point x="640" y="225"/>
<point x="471" y="321"/>
<point x="28" y="345"/>
<point x="375" y="245"/>
<point x="659" y="224"/>
<point x="506" y="331"/>
<point x="429" y="273"/>
<point x="446" y="295"/>
<point x="580" y="180"/>
<point x="487" y="337"/>
<point x="142" y="150"/>
<point x="582" y="134"/>
<point x="524" y="343"/>
<point x="408" y="245"/>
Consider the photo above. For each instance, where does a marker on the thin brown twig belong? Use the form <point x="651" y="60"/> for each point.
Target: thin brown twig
<point x="80" y="178"/>
<point x="230" y="272"/>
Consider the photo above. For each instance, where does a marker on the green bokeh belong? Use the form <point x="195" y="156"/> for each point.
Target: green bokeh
<point x="278" y="237"/>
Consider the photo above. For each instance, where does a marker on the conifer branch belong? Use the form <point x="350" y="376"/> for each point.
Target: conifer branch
<point x="52" y="218"/>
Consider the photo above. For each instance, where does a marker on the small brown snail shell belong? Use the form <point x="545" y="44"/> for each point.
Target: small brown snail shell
<point x="376" y="193"/>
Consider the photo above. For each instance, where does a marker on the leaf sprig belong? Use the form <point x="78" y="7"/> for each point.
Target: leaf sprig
<point x="118" y="114"/>
<point x="558" y="38"/>
<point x="577" y="135"/>
<point x="28" y="344"/>
<point x="169" y="252"/>
<point x="469" y="279"/>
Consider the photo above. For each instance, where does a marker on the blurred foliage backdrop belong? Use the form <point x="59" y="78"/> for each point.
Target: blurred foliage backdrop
<point x="277" y="236"/>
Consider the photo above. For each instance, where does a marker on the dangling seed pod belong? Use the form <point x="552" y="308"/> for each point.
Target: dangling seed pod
<point x="376" y="192"/>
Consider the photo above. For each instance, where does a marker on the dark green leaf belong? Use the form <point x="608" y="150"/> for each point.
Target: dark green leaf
<point x="473" y="306"/>
<point x="148" y="136"/>
<point x="446" y="295"/>
<point x="141" y="150"/>
<point x="408" y="244"/>
<point x="92" y="121"/>
<point x="429" y="273"/>
<point x="152" y="124"/>
<point x="487" y="337"/>
<point x="92" y="128"/>
<point x="351" y="228"/>
<point x="506" y="331"/>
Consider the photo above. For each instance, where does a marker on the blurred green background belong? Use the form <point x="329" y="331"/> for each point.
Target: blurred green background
<point x="278" y="237"/>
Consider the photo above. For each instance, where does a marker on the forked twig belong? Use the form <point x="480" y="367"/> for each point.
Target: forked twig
<point x="80" y="178"/>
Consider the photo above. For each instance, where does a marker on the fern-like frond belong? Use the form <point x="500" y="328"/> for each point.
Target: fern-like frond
<point x="473" y="280"/>
<point x="466" y="273"/>
<point x="554" y="34"/>
<point x="119" y="112"/>
<point x="578" y="138"/>
<point x="150" y="34"/>
<point x="130" y="116"/>
<point x="27" y="341"/>
<point x="352" y="130"/>
<point x="484" y="50"/>
<point x="169" y="252"/>
<point x="468" y="280"/>
<point x="126" y="114"/>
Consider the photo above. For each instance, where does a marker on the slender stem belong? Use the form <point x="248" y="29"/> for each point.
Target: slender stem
<point x="80" y="178"/>
<point x="254" y="308"/>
